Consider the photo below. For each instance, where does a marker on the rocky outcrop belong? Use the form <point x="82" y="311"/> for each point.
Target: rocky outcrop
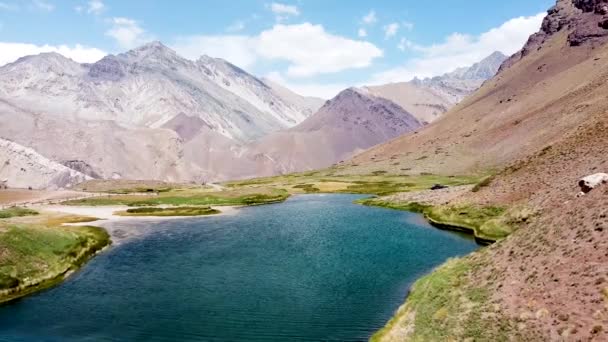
<point x="82" y="167"/>
<point x="23" y="167"/>
<point x="586" y="21"/>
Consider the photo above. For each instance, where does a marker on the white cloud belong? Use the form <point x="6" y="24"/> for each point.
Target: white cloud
<point x="283" y="11"/>
<point x="80" y="53"/>
<point x="390" y="30"/>
<point x="278" y="8"/>
<point x="237" y="49"/>
<point x="405" y="44"/>
<point x="237" y="26"/>
<point x="370" y="18"/>
<point x="362" y="33"/>
<point x="127" y="32"/>
<point x="95" y="7"/>
<point x="43" y="5"/>
<point x="459" y="50"/>
<point x="322" y="90"/>
<point x="311" y="50"/>
<point x="308" y="49"/>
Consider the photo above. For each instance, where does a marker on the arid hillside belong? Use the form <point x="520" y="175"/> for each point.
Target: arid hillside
<point x="540" y="125"/>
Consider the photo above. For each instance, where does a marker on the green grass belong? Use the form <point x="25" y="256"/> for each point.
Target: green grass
<point x="16" y="212"/>
<point x="308" y="188"/>
<point x="33" y="256"/>
<point x="446" y="306"/>
<point x="191" y="197"/>
<point x="377" y="183"/>
<point x="486" y="223"/>
<point x="176" y="211"/>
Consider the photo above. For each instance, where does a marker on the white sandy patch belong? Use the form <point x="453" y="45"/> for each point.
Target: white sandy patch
<point x="107" y="216"/>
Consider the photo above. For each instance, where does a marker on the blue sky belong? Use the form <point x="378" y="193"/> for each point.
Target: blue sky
<point x="315" y="47"/>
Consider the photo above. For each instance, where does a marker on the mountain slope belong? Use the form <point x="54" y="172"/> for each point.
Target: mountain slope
<point x="430" y="98"/>
<point x="541" y="124"/>
<point x="306" y="104"/>
<point x="23" y="167"/>
<point x="109" y="150"/>
<point x="351" y="122"/>
<point x="147" y="87"/>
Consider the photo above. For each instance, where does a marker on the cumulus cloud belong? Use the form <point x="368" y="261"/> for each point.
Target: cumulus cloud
<point x="308" y="49"/>
<point x="459" y="50"/>
<point x="283" y="11"/>
<point x="390" y="30"/>
<point x="80" y="53"/>
<point x="95" y="7"/>
<point x="238" y="49"/>
<point x="362" y="33"/>
<point x="127" y="32"/>
<point x="323" y="90"/>
<point x="370" y="18"/>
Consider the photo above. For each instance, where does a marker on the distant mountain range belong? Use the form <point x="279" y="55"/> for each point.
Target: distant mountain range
<point x="150" y="114"/>
<point x="430" y="98"/>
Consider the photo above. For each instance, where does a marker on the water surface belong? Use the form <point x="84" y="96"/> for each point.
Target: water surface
<point x="316" y="267"/>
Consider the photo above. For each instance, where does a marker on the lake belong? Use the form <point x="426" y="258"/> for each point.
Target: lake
<point x="314" y="268"/>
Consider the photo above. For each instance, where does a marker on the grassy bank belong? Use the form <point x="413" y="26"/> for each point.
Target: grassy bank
<point x="487" y="224"/>
<point x="36" y="253"/>
<point x="191" y="197"/>
<point x="175" y="211"/>
<point x="16" y="212"/>
<point x="446" y="306"/>
<point x="327" y="181"/>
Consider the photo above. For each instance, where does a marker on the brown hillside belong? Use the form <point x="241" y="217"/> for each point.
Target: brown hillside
<point x="542" y="123"/>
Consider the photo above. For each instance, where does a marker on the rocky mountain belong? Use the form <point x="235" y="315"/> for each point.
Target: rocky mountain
<point x="349" y="123"/>
<point x="539" y="126"/>
<point x="147" y="87"/>
<point x="306" y="104"/>
<point x="23" y="167"/>
<point x="430" y="98"/>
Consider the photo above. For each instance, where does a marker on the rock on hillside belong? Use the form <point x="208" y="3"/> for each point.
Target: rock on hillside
<point x="23" y="167"/>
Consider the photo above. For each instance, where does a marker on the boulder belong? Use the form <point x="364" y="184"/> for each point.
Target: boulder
<point x="591" y="182"/>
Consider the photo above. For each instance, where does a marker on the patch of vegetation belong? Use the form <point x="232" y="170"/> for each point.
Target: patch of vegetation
<point x="191" y="197"/>
<point x="16" y="212"/>
<point x="36" y="255"/>
<point x="175" y="211"/>
<point x="148" y="190"/>
<point x="446" y="306"/>
<point x="486" y="223"/>
<point x="379" y="173"/>
<point x="308" y="188"/>
<point x="405" y="206"/>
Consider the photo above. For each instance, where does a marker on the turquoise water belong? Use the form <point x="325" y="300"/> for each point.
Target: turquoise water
<point x="314" y="268"/>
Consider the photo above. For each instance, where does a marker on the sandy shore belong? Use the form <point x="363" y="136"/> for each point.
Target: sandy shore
<point x="115" y="224"/>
